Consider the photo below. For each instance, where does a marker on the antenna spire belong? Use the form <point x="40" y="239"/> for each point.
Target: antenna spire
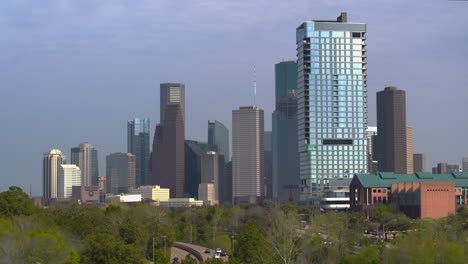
<point x="254" y="83"/>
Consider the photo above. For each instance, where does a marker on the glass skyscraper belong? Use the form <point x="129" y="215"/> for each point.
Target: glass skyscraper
<point x="218" y="138"/>
<point x="332" y="102"/>
<point x="138" y="143"/>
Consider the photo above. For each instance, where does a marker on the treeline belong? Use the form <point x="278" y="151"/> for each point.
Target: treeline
<point x="266" y="233"/>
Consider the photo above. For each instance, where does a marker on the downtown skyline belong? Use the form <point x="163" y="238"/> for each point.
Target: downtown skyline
<point x="204" y="93"/>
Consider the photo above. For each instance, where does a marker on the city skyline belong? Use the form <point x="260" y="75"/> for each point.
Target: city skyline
<point x="107" y="134"/>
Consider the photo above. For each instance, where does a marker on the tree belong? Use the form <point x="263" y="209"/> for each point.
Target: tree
<point x="15" y="202"/>
<point x="189" y="260"/>
<point x="105" y="248"/>
<point x="367" y="255"/>
<point x="251" y="246"/>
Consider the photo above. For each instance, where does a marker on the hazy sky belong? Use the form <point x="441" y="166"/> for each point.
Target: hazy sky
<point x="74" y="71"/>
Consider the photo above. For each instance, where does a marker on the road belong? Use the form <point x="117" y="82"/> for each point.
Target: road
<point x="181" y="254"/>
<point x="201" y="250"/>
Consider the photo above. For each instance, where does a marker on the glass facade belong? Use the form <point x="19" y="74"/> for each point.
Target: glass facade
<point x="138" y="143"/>
<point x="332" y="103"/>
<point x="218" y="138"/>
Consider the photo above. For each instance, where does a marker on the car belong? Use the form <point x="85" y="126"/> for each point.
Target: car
<point x="223" y="254"/>
<point x="207" y="251"/>
<point x="175" y="260"/>
<point x="218" y="250"/>
<point x="217" y="256"/>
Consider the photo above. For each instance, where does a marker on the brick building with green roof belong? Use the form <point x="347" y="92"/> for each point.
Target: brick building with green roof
<point x="417" y="195"/>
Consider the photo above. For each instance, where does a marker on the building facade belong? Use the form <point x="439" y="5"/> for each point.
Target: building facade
<point x="417" y="195"/>
<point x="171" y="93"/>
<point x="70" y="175"/>
<point x="419" y="162"/>
<point x="207" y="193"/>
<point x="193" y="154"/>
<point x="120" y="172"/>
<point x="51" y="166"/>
<point x="152" y="192"/>
<point x="138" y="143"/>
<point x="465" y="165"/>
<point x="392" y="140"/>
<point x="86" y="158"/>
<point x="372" y="163"/>
<point x="332" y="103"/>
<point x="247" y="154"/>
<point x="268" y="163"/>
<point x="86" y="194"/>
<point x="218" y="139"/>
<point x="210" y="171"/>
<point x="167" y="158"/>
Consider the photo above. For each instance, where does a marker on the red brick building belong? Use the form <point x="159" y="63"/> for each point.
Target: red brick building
<point x="418" y="195"/>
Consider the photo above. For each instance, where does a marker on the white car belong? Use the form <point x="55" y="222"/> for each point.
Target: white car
<point x="217" y="256"/>
<point x="218" y="250"/>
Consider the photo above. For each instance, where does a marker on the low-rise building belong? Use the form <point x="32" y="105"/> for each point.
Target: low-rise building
<point x="181" y="202"/>
<point x="123" y="198"/>
<point x="152" y="192"/>
<point x="85" y="194"/>
<point x="337" y="196"/>
<point x="417" y="195"/>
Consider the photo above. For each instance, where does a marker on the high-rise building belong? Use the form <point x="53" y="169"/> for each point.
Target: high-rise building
<point x="171" y="93"/>
<point x="226" y="184"/>
<point x="372" y="163"/>
<point x="138" y="143"/>
<point x="167" y="159"/>
<point x="465" y="165"/>
<point x="332" y="103"/>
<point x="218" y="138"/>
<point x="70" y="175"/>
<point x="210" y="171"/>
<point x="86" y="158"/>
<point x="392" y="139"/>
<point x="409" y="150"/>
<point x="207" y="193"/>
<point x="419" y="162"/>
<point x="268" y="163"/>
<point x="51" y="165"/>
<point x="247" y="154"/>
<point x="192" y="167"/>
<point x="120" y="172"/>
<point x="285" y="155"/>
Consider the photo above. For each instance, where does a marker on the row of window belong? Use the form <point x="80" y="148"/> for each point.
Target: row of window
<point x="335" y="53"/>
<point x="318" y="91"/>
<point x="337" y="136"/>
<point x="341" y="65"/>
<point x="342" y="125"/>
<point x="321" y="111"/>
<point x="336" y="47"/>
<point x="339" y="56"/>
<point x="337" y="40"/>
<point x="342" y="157"/>
<point x="335" y="71"/>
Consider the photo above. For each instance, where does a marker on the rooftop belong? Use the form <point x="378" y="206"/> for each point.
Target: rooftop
<point x="386" y="179"/>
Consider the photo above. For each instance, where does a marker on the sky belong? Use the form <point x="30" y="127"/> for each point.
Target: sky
<point x="74" y="71"/>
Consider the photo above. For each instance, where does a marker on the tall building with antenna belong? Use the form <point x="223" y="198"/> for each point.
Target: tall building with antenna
<point x="332" y="103"/>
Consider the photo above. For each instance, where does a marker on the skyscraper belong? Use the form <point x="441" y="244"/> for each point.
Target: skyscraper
<point x="120" y="172"/>
<point x="86" y="158"/>
<point x="409" y="150"/>
<point x="372" y="163"/>
<point x="465" y="165"/>
<point x="218" y="138"/>
<point x="392" y="140"/>
<point x="332" y="102"/>
<point x="247" y="154"/>
<point x="419" y="162"/>
<point x="167" y="158"/>
<point x="192" y="167"/>
<point x="138" y="143"/>
<point x="210" y="171"/>
<point x="70" y="175"/>
<point x="171" y="93"/>
<point x="51" y="165"/>
<point x="268" y="163"/>
<point x="285" y="155"/>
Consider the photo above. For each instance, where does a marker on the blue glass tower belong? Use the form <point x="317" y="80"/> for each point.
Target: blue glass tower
<point x="138" y="143"/>
<point x="332" y="102"/>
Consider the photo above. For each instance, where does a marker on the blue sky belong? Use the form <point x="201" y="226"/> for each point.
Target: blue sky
<point x="74" y="71"/>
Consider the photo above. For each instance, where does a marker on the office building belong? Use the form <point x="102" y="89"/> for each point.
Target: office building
<point x="171" y="93"/>
<point x="207" y="193"/>
<point x="337" y="196"/>
<point x="417" y="195"/>
<point x="152" y="192"/>
<point x="86" y="194"/>
<point x="444" y="168"/>
<point x="51" y="165"/>
<point x="332" y="103"/>
<point x="372" y="163"/>
<point x="218" y="138"/>
<point x="70" y="175"/>
<point x="409" y="150"/>
<point x="393" y="139"/>
<point x="192" y="167"/>
<point x="419" y="162"/>
<point x="268" y="163"/>
<point x="86" y="158"/>
<point x="120" y="172"/>
<point x="465" y="165"/>
<point x="225" y="188"/>
<point x="285" y="155"/>
<point x="210" y="171"/>
<point x="247" y="155"/>
<point x="167" y="158"/>
<point x="181" y="202"/>
<point x="138" y="143"/>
